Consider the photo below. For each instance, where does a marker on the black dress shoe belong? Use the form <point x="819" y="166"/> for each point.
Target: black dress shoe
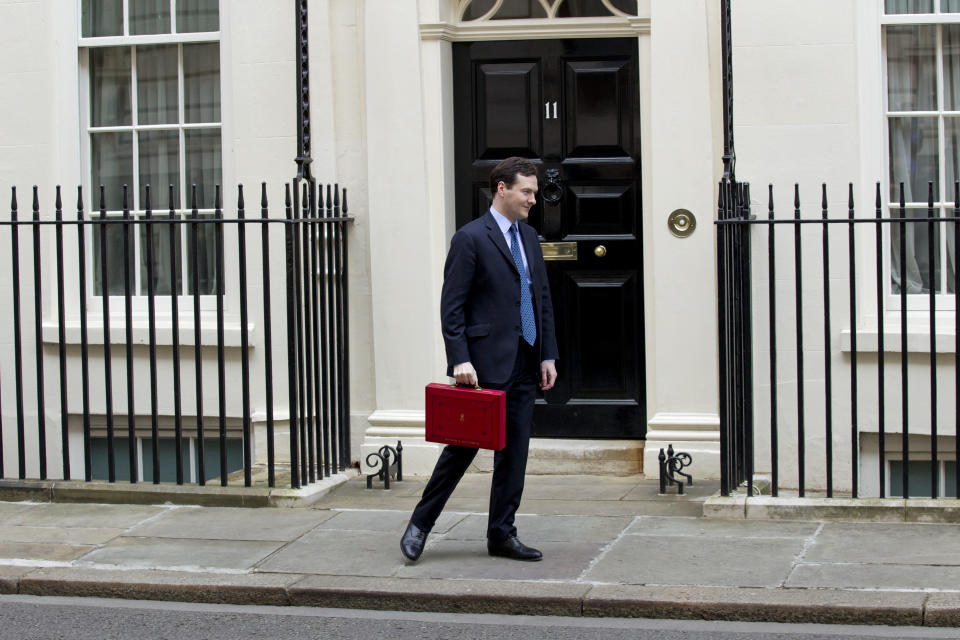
<point x="513" y="549"/>
<point x="411" y="544"/>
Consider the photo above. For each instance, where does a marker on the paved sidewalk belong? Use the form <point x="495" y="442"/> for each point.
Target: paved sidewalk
<point x="612" y="547"/>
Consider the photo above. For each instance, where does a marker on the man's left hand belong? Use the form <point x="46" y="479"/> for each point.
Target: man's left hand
<point x="548" y="375"/>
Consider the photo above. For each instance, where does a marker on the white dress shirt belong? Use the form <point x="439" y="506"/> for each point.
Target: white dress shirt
<point x="505" y="225"/>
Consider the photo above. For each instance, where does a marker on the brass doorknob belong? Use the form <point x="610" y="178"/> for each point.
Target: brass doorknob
<point x="600" y="251"/>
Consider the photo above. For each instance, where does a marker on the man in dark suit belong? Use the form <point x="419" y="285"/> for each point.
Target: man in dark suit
<point x="497" y="320"/>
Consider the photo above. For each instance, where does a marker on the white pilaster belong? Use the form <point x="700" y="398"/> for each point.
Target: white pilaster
<point x="682" y="129"/>
<point x="409" y="229"/>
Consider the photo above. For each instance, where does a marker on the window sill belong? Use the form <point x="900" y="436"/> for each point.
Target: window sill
<point x="118" y="333"/>
<point x="918" y="340"/>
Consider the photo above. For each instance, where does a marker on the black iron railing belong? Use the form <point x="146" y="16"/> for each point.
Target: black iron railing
<point x="175" y="445"/>
<point x="738" y="305"/>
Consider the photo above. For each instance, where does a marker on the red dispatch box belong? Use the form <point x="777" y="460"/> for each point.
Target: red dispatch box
<point x="466" y="417"/>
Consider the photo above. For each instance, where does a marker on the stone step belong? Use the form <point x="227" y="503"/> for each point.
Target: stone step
<point x="576" y="457"/>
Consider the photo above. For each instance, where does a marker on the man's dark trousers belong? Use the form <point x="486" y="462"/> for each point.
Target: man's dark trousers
<point x="509" y="464"/>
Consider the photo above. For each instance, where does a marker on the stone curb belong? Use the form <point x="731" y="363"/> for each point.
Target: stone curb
<point x="448" y="596"/>
<point x="147" y="494"/>
<point x="758" y="605"/>
<point x="824" y="606"/>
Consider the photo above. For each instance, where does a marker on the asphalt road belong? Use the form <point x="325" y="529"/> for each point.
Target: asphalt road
<point x="36" y="618"/>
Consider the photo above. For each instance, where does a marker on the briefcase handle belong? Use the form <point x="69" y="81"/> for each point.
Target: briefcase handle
<point x="476" y="387"/>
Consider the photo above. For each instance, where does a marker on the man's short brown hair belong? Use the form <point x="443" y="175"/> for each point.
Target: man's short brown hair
<point x="507" y="171"/>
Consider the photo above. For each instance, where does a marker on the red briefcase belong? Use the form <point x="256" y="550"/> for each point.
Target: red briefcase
<point x="465" y="416"/>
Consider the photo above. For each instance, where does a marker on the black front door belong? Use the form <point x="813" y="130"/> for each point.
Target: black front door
<point x="573" y="107"/>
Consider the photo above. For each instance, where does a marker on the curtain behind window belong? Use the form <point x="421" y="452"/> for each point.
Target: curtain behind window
<point x="914" y="144"/>
<point x="908" y="6"/>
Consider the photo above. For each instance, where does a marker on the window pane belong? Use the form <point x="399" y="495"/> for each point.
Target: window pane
<point x="167" y="454"/>
<point x="211" y="458"/>
<point x="589" y="8"/>
<point x="912" y="67"/>
<point x="149" y="16"/>
<point x="114" y="240"/>
<point x="950" y="478"/>
<point x="951" y="67"/>
<point x="99" y="466"/>
<point x="157" y="84"/>
<point x="913" y="158"/>
<point x="206" y="268"/>
<point x="627" y="6"/>
<point x="198" y="15"/>
<point x="950" y="6"/>
<point x="162" y="260"/>
<point x="478" y="8"/>
<point x="918" y="475"/>
<point x="112" y="167"/>
<point x="920" y="274"/>
<point x="908" y="6"/>
<point x="159" y="168"/>
<point x="102" y="18"/>
<point x="203" y="165"/>
<point x="509" y="10"/>
<point x="110" y="87"/>
<point x="201" y="82"/>
<point x="513" y="9"/>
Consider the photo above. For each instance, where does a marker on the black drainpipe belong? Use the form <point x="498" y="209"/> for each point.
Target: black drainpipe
<point x="303" y="93"/>
<point x="729" y="155"/>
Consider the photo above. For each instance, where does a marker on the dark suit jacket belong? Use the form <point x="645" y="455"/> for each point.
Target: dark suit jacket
<point x="480" y="301"/>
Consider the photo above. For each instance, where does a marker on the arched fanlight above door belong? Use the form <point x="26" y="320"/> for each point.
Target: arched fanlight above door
<point x="482" y="10"/>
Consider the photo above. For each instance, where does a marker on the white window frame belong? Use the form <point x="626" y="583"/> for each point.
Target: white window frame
<point x="918" y="305"/>
<point x="91" y="195"/>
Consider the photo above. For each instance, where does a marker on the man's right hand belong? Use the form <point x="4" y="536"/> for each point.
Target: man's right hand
<point x="464" y="373"/>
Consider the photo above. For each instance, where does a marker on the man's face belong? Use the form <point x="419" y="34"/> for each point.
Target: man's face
<point x="518" y="199"/>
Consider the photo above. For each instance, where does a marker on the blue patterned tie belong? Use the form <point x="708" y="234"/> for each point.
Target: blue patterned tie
<point x="527" y="321"/>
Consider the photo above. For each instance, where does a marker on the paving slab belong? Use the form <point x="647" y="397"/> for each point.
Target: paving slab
<point x="386" y="521"/>
<point x="455" y="596"/>
<point x="929" y="544"/>
<point x="39" y="551"/>
<point x="874" y="576"/>
<point x="665" y="526"/>
<point x="110" y="516"/>
<point x="384" y="501"/>
<point x="357" y="489"/>
<point x="230" y="523"/>
<point x="697" y="561"/>
<point x="942" y="610"/>
<point x="468" y="559"/>
<point x="756" y="605"/>
<point x="333" y="552"/>
<point x="577" y="487"/>
<point x="245" y="588"/>
<point x="75" y="535"/>
<point x="650" y="490"/>
<point x="10" y="578"/>
<point x="156" y="553"/>
<point x="9" y="509"/>
<point x="535" y="530"/>
<point x="611" y="508"/>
